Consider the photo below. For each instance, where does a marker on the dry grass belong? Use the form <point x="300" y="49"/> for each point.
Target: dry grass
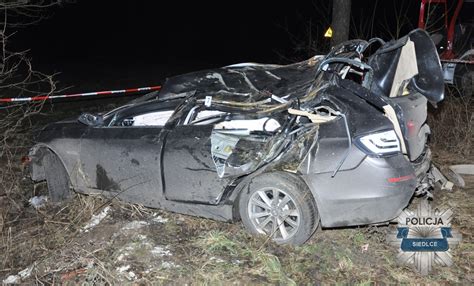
<point x="452" y="125"/>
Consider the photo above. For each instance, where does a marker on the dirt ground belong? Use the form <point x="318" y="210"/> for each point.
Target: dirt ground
<point x="93" y="240"/>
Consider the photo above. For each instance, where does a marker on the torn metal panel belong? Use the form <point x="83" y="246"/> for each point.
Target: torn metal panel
<point x="455" y="172"/>
<point x="407" y="68"/>
<point x="315" y="118"/>
<point x="236" y="155"/>
<point x="246" y="83"/>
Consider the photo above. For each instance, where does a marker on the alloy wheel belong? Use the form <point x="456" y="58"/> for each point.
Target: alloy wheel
<point x="274" y="212"/>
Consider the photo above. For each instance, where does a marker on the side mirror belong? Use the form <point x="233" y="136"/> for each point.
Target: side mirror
<point x="90" y="119"/>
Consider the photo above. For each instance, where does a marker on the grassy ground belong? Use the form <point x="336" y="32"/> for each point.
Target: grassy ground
<point x="132" y="244"/>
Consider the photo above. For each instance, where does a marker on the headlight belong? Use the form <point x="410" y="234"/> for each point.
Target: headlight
<point x="382" y="143"/>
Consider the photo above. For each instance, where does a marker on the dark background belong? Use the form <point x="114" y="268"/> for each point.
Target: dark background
<point x="114" y="44"/>
<point x="177" y="32"/>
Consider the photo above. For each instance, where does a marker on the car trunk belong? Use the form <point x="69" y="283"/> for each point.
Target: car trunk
<point x="408" y="72"/>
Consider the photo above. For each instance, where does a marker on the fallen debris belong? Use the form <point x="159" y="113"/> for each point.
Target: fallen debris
<point x="25" y="273"/>
<point x="38" y="201"/>
<point x="122" y="269"/>
<point x="455" y="171"/>
<point x="446" y="185"/>
<point x="168" y="265"/>
<point x="12" y="279"/>
<point x="465" y="169"/>
<point x="136" y="224"/>
<point x="160" y="219"/>
<point x="96" y="219"/>
<point x="161" y="251"/>
<point x="15" y="279"/>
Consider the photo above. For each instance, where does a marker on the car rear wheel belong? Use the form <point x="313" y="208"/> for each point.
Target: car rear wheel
<point x="57" y="178"/>
<point x="279" y="205"/>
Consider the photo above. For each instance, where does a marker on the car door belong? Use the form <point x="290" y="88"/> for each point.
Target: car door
<point x="123" y="158"/>
<point x="189" y="172"/>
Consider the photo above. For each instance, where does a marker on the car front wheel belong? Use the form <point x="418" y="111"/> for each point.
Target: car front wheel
<point x="279" y="205"/>
<point x="56" y="177"/>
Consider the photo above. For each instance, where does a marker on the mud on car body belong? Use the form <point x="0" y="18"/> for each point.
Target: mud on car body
<point x="336" y="140"/>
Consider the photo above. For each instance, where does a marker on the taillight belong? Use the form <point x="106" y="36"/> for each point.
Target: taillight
<point x="381" y="143"/>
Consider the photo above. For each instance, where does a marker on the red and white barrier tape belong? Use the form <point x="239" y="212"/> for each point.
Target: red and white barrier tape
<point x="108" y="92"/>
<point x="456" y="61"/>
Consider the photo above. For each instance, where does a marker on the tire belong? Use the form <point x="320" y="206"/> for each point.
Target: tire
<point x="57" y="178"/>
<point x="464" y="78"/>
<point x="290" y="220"/>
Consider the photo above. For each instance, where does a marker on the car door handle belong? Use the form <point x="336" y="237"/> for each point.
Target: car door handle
<point x="150" y="138"/>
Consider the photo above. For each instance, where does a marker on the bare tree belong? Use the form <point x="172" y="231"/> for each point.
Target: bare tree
<point x="307" y="36"/>
<point x="341" y="16"/>
<point x="17" y="78"/>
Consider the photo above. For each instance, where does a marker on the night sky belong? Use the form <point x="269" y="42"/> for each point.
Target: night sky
<point x="177" y="32"/>
<point x="94" y="40"/>
<point x="112" y="43"/>
<point x="181" y="33"/>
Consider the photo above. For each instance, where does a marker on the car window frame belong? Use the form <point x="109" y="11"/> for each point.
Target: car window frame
<point x="140" y="109"/>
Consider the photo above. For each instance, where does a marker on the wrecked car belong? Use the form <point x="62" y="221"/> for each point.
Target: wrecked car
<point x="336" y="140"/>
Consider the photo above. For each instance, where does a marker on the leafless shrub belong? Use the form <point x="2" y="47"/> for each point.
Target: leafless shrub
<point x="375" y="21"/>
<point x="306" y="35"/>
<point x="17" y="79"/>
<point x="452" y="125"/>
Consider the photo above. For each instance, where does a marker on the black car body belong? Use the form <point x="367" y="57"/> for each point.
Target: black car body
<point x="342" y="137"/>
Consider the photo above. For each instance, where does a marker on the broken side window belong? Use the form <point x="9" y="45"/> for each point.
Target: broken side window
<point x="158" y="118"/>
<point x="144" y="114"/>
<point x="239" y="142"/>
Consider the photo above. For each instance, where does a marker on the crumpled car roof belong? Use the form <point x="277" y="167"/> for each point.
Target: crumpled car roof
<point x="246" y="82"/>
